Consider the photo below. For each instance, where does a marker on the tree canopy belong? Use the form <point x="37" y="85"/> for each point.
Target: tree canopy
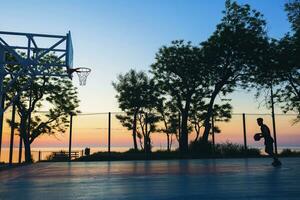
<point x="234" y="49"/>
<point x="180" y="74"/>
<point x="136" y="94"/>
<point x="57" y="94"/>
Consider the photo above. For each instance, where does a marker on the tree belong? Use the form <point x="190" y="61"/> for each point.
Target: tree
<point x="169" y="116"/>
<point x="136" y="94"/>
<point x="232" y="51"/>
<point x="179" y="72"/>
<point x="280" y="69"/>
<point x="293" y="12"/>
<point x="57" y="93"/>
<point x="221" y="112"/>
<point x="147" y="125"/>
<point x="288" y="92"/>
<point x="285" y="71"/>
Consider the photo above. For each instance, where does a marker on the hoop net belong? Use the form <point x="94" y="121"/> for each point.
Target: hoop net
<point x="82" y="74"/>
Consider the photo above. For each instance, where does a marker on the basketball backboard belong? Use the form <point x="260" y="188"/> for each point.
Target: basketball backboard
<point x="30" y="49"/>
<point x="69" y="51"/>
<point x="36" y="54"/>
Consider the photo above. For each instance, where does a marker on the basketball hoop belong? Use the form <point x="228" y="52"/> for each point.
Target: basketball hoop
<point x="82" y="73"/>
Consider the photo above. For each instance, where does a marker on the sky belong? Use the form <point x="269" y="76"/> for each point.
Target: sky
<point x="113" y="36"/>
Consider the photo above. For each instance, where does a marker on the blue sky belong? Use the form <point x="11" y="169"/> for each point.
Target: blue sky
<point x="112" y="36"/>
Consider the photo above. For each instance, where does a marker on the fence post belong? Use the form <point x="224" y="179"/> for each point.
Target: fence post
<point x="70" y="137"/>
<point x="109" y="131"/>
<point x="244" y="131"/>
<point x="12" y="133"/>
<point x="273" y="120"/>
<point x="40" y="155"/>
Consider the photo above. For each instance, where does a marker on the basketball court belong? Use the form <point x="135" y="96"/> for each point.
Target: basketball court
<point x="177" y="179"/>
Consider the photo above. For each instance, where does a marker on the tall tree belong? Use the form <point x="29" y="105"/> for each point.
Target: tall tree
<point x="56" y="93"/>
<point x="179" y="73"/>
<point x="136" y="93"/>
<point x="231" y="51"/>
<point x="288" y="93"/>
<point x="280" y="68"/>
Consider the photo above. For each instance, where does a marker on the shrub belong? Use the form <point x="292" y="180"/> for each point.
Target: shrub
<point x="289" y="152"/>
<point x="134" y="151"/>
<point x="227" y="149"/>
<point x="201" y="147"/>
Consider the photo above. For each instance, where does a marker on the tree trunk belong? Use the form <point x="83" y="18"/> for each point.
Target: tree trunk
<point x="134" y="132"/>
<point x="27" y="151"/>
<point x="148" y="144"/>
<point x="197" y="129"/>
<point x="25" y="136"/>
<point x="209" y="113"/>
<point x="183" y="140"/>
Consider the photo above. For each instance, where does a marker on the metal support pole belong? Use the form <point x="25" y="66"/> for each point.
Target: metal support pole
<point x="273" y="120"/>
<point x="2" y="96"/>
<point x="109" y="131"/>
<point x="70" y="137"/>
<point x="20" y="149"/>
<point x="244" y="130"/>
<point x="12" y="133"/>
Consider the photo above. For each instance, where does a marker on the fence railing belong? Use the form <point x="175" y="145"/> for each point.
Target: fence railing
<point x="104" y="132"/>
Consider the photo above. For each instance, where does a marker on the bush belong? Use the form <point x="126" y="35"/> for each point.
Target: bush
<point x="134" y="151"/>
<point x="227" y="149"/>
<point x="253" y="152"/>
<point x="289" y="152"/>
<point x="230" y="149"/>
<point x="201" y="147"/>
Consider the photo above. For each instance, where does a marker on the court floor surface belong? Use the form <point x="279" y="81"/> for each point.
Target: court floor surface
<point x="253" y="178"/>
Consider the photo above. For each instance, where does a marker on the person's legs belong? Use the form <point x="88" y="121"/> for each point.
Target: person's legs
<point x="269" y="150"/>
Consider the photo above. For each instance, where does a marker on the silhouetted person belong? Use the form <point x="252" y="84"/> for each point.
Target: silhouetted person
<point x="265" y="133"/>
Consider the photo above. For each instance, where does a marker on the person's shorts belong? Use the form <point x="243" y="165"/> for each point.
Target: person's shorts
<point x="269" y="148"/>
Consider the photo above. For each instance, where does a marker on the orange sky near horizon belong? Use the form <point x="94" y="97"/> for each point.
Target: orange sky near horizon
<point x="91" y="131"/>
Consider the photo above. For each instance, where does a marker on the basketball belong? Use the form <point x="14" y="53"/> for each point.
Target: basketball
<point x="257" y="136"/>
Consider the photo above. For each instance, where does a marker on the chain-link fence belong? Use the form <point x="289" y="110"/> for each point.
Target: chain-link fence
<point x="104" y="132"/>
